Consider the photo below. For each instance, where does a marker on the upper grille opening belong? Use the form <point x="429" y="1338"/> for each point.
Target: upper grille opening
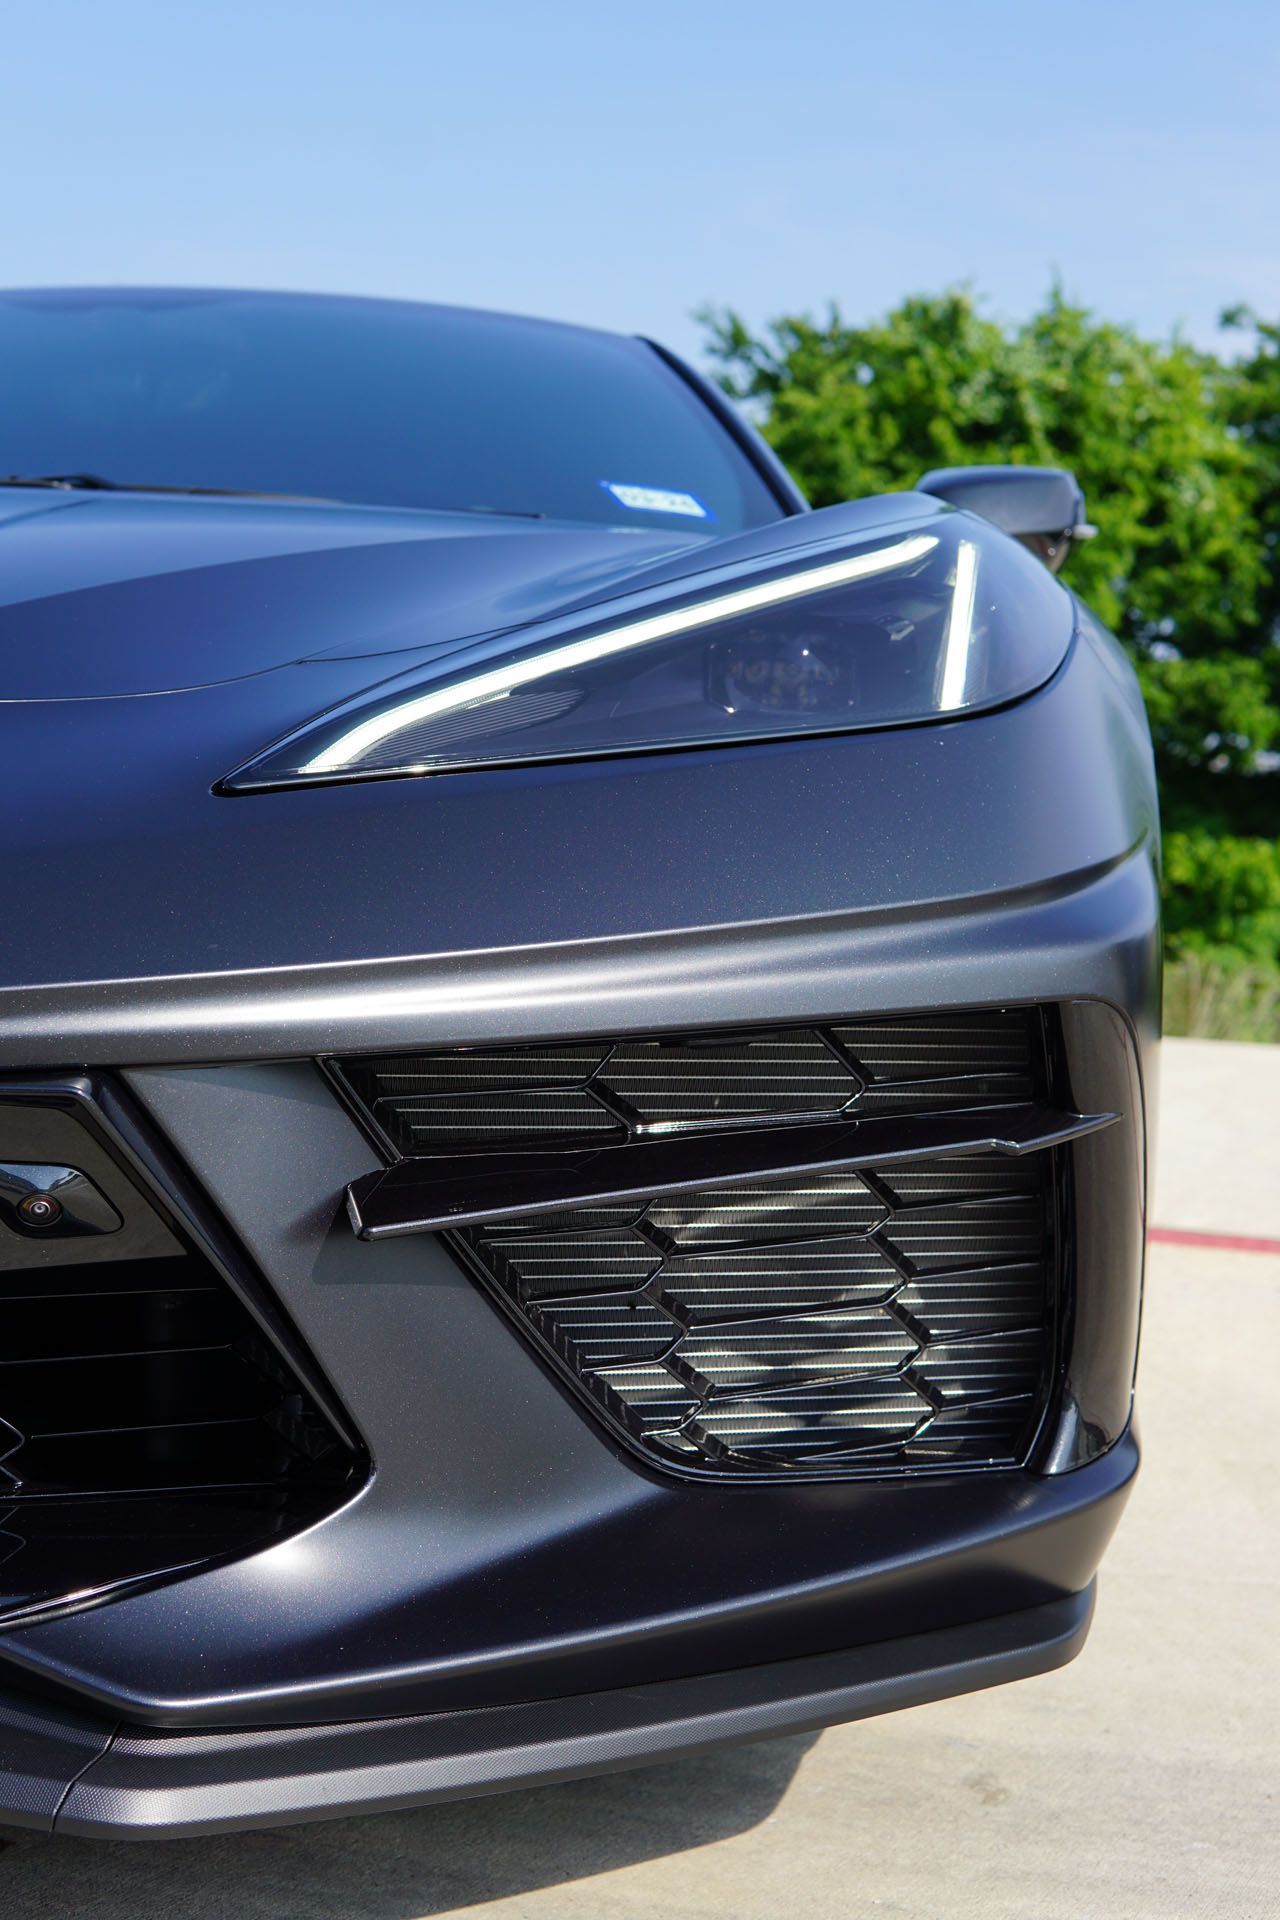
<point x="863" y="1320"/>
<point x="489" y="1096"/>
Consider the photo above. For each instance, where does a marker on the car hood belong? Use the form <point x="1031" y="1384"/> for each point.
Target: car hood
<point x="105" y="596"/>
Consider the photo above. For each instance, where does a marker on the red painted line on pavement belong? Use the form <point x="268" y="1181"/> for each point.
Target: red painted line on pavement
<point x="1233" y="1242"/>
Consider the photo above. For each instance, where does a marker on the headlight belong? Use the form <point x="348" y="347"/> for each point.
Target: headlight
<point x="875" y="632"/>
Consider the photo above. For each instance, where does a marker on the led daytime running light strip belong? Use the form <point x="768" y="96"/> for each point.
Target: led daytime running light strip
<point x="498" y="682"/>
<point x="955" y="654"/>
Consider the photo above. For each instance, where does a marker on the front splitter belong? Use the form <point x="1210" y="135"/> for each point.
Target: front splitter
<point x="71" y="1774"/>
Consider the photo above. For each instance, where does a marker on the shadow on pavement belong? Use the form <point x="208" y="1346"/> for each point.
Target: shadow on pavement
<point x="400" y="1866"/>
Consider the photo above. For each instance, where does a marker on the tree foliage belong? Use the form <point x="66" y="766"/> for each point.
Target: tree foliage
<point x="1250" y="394"/>
<point x="1179" y="456"/>
<point x="1222" y="892"/>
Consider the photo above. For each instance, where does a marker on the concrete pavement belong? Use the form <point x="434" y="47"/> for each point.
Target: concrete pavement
<point x="1141" y="1783"/>
<point x="1219" y="1152"/>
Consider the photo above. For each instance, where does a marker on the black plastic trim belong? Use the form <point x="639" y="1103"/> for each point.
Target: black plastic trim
<point x="43" y="1750"/>
<point x="754" y="445"/>
<point x="435" y="1191"/>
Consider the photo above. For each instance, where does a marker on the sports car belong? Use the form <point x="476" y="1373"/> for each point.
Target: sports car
<point x="577" y="1042"/>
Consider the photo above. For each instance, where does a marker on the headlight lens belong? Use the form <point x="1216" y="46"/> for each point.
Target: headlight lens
<point x="910" y="626"/>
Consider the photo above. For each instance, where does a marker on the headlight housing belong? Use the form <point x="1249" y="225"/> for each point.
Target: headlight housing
<point x="924" y="622"/>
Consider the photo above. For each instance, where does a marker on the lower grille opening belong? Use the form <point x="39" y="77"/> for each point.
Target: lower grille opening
<point x="156" y="1379"/>
<point x="851" y="1320"/>
<point x="886" y="1317"/>
<point x="146" y="1418"/>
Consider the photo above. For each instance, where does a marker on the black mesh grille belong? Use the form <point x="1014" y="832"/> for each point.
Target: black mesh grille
<point x="868" y="1320"/>
<point x="147" y="1419"/>
<point x="663" y="1083"/>
<point x="952" y="1061"/>
<point x="420" y="1101"/>
<point x="489" y="1095"/>
<point x="146" y="1374"/>
<point x="803" y="1322"/>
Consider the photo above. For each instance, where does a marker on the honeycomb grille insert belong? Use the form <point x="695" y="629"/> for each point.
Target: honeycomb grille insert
<point x="864" y="1320"/>
<point x="822" y="1323"/>
<point x="631" y="1088"/>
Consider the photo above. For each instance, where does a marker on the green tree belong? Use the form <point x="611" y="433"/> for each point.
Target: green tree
<point x="1179" y="456"/>
<point x="1222" y="893"/>
<point x="1251" y="398"/>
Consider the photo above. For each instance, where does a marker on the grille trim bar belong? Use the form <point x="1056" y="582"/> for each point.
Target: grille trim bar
<point x="429" y="1193"/>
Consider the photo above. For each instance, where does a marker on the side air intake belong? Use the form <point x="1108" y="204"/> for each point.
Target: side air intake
<point x="823" y="1251"/>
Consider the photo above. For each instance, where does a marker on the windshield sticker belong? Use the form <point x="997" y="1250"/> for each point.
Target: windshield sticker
<point x="656" y="500"/>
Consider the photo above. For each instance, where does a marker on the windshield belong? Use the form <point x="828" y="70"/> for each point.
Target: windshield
<point x="368" y="401"/>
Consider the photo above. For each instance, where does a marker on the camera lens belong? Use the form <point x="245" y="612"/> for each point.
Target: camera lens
<point x="39" y="1210"/>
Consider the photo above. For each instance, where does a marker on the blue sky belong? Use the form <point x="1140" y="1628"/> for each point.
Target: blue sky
<point x="621" y="164"/>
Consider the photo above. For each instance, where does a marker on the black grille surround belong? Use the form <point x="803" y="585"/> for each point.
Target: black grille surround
<point x="855" y="1321"/>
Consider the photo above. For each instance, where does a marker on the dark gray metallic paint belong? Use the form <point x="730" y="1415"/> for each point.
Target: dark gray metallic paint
<point x="153" y="933"/>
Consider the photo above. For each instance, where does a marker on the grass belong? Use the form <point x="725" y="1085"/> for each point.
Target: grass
<point x="1216" y="999"/>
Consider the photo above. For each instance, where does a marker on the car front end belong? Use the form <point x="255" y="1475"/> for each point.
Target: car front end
<point x="552" y="1212"/>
